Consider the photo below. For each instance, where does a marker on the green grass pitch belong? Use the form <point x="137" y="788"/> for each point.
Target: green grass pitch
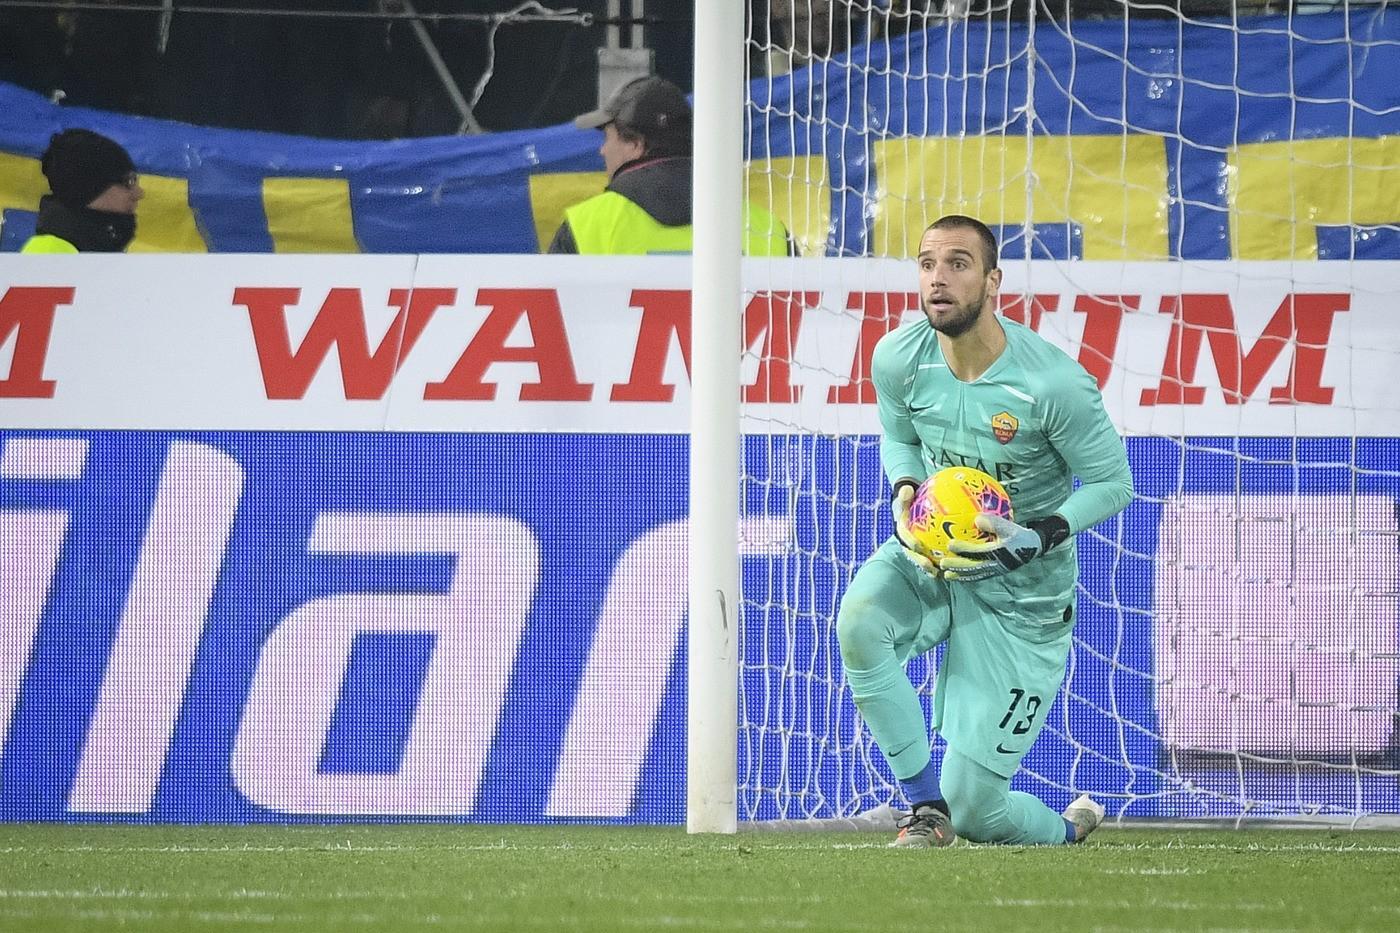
<point x="434" y="877"/>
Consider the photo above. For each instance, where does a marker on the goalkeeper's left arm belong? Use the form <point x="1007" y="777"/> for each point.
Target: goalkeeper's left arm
<point x="1079" y="429"/>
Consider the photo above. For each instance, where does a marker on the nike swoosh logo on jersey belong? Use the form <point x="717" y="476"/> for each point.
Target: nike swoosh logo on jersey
<point x="1007" y="751"/>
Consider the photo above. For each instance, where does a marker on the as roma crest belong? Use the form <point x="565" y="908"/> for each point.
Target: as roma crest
<point x="1004" y="425"/>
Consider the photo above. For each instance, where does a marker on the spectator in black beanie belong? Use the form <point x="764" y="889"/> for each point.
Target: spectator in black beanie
<point x="95" y="190"/>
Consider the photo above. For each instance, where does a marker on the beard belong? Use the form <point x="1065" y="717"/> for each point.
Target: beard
<point x="961" y="319"/>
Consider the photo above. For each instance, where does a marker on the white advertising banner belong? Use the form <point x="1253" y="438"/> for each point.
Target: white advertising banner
<point x="584" y="344"/>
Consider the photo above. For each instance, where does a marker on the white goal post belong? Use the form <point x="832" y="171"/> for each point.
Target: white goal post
<point x="712" y="658"/>
<point x="1198" y="208"/>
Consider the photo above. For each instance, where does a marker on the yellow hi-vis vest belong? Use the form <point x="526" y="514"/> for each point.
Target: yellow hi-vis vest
<point x="47" y="243"/>
<point x="610" y="225"/>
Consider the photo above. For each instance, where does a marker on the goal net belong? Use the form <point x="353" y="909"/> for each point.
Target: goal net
<point x="1195" y="206"/>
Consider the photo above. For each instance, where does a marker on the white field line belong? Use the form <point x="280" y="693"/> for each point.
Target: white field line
<point x="1151" y="871"/>
<point x="58" y="894"/>
<point x="1099" y="903"/>
<point x="340" y="848"/>
<point x="1251" y="847"/>
<point x="1194" y="929"/>
<point x="61" y="894"/>
<point x="98" y="894"/>
<point x="515" y="920"/>
<point x="455" y="921"/>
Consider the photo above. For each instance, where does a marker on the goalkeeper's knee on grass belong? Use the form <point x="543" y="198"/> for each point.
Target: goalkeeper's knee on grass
<point x="985" y="809"/>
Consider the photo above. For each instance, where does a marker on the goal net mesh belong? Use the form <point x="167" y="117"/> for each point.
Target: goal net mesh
<point x="1191" y="202"/>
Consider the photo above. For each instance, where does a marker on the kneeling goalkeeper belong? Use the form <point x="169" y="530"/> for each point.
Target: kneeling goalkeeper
<point x="965" y="387"/>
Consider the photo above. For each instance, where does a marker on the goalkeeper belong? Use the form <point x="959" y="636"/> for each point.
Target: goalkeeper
<point x="966" y="387"/>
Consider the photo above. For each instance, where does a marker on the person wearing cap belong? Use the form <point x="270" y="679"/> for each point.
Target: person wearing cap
<point x="95" y="190"/>
<point x="646" y="207"/>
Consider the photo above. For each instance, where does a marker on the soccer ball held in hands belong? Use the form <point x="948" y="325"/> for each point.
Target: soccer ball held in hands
<point x="946" y="507"/>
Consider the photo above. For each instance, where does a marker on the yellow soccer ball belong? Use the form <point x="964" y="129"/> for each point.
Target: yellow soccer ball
<point x="946" y="507"/>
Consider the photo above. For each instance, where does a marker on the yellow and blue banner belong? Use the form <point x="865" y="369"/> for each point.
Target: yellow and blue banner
<point x="1269" y="138"/>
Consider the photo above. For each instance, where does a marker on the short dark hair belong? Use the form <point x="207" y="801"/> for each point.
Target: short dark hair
<point x="655" y="145"/>
<point x="669" y="146"/>
<point x="627" y="134"/>
<point x="984" y="233"/>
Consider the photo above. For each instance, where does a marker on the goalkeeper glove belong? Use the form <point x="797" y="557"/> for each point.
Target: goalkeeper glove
<point x="899" y="504"/>
<point x="1014" y="546"/>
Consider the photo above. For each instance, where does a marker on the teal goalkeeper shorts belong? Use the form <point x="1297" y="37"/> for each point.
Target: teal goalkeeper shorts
<point x="1001" y="671"/>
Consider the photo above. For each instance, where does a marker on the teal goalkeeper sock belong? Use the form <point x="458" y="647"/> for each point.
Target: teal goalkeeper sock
<point x="923" y="788"/>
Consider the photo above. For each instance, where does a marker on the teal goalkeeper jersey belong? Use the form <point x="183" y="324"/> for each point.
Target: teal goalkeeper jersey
<point x="1034" y="420"/>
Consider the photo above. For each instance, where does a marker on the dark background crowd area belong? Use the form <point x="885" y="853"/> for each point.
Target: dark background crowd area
<point x="340" y="78"/>
<point x="357" y="78"/>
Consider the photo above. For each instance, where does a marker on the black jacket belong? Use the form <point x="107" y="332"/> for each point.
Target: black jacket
<point x="88" y="230"/>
